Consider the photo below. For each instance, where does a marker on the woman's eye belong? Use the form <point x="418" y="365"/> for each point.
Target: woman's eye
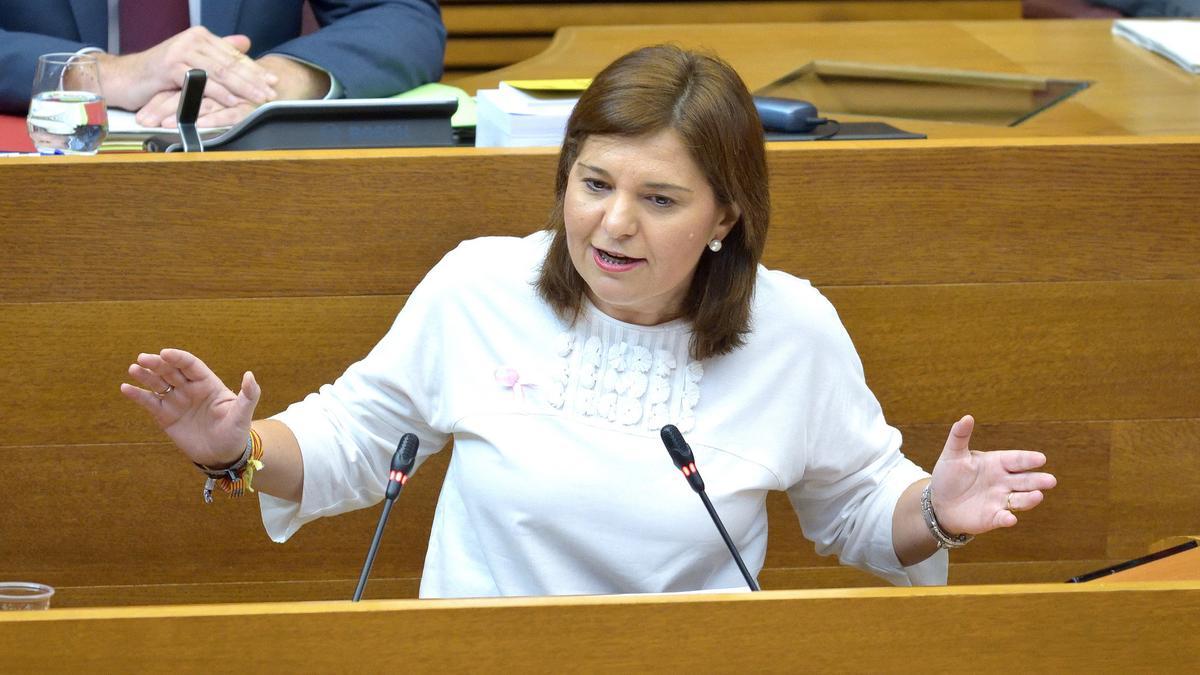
<point x="659" y="200"/>
<point x="594" y="185"/>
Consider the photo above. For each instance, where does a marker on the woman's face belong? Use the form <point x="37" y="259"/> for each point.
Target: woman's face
<point x="639" y="214"/>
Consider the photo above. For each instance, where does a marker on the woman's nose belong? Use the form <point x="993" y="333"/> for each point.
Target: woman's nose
<point x="620" y="217"/>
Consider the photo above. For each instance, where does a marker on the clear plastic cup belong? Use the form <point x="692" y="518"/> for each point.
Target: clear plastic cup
<point x="23" y="595"/>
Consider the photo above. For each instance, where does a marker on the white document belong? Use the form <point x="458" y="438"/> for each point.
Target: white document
<point x="124" y="123"/>
<point x="504" y="120"/>
<point x="1176" y="39"/>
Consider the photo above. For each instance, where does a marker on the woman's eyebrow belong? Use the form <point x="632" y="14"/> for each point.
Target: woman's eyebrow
<point x="592" y="168"/>
<point x="649" y="186"/>
<point x="666" y="186"/>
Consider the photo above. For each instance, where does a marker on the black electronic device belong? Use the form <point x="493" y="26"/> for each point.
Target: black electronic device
<point x="403" y="461"/>
<point x="1136" y="562"/>
<point x="787" y="114"/>
<point x="685" y="461"/>
<point x="190" y="97"/>
<point x="335" y="123"/>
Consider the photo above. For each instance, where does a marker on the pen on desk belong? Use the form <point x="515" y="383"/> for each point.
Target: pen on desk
<point x="31" y="154"/>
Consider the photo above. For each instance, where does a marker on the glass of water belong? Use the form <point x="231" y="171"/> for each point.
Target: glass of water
<point x="67" y="114"/>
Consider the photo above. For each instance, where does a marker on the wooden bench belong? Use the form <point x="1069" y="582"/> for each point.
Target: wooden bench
<point x="1050" y="288"/>
<point x="488" y="34"/>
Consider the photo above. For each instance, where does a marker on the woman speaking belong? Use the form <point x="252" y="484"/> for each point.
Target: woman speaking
<point x="553" y="361"/>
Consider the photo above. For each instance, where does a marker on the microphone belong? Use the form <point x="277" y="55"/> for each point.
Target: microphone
<point x="402" y="464"/>
<point x="681" y="454"/>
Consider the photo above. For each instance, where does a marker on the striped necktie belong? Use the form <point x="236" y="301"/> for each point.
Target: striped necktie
<point x="145" y="23"/>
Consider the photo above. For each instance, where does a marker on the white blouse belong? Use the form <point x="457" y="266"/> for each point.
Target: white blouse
<point x="559" y="483"/>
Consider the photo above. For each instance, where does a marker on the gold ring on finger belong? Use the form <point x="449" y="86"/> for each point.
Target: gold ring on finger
<point x="170" y="388"/>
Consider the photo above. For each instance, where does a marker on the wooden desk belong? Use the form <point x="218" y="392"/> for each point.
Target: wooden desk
<point x="1047" y="286"/>
<point x="1147" y="627"/>
<point x="1135" y="92"/>
<point x="487" y="34"/>
<point x="1183" y="566"/>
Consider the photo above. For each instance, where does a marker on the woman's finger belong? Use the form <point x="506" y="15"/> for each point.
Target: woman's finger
<point x="1004" y="518"/>
<point x="148" y="378"/>
<point x="1031" y="481"/>
<point x="160" y="367"/>
<point x="248" y="397"/>
<point x="1017" y="461"/>
<point x="146" y="399"/>
<point x="187" y="364"/>
<point x="1023" y="501"/>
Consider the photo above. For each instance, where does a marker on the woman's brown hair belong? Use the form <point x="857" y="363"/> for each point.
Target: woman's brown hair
<point x="703" y="100"/>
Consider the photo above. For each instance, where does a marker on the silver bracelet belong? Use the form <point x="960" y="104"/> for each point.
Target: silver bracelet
<point x="943" y="540"/>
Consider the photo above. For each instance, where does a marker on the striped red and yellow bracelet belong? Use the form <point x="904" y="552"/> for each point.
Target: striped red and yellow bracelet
<point x="235" y="480"/>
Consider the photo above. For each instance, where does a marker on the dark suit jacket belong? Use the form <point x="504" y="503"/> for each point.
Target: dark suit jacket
<point x="374" y="48"/>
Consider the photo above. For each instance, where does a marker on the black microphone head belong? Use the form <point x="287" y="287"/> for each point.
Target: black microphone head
<point x="402" y="464"/>
<point x="678" y="448"/>
<point x="406" y="453"/>
<point x="681" y="454"/>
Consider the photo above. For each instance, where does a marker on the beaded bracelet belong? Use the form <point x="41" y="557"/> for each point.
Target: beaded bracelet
<point x="935" y="528"/>
<point x="235" y="480"/>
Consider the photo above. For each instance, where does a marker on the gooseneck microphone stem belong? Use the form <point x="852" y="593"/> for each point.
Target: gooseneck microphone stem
<point x="737" y="557"/>
<point x="403" y="461"/>
<point x="366" y="570"/>
<point x="685" y="461"/>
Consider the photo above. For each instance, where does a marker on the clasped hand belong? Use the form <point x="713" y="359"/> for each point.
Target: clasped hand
<point x="149" y="81"/>
<point x="974" y="492"/>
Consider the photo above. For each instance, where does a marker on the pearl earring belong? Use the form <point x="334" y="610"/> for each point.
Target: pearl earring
<point x="714" y="245"/>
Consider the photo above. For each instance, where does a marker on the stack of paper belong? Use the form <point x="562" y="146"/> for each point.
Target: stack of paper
<point x="1177" y="40"/>
<point x="525" y="112"/>
<point x="125" y="134"/>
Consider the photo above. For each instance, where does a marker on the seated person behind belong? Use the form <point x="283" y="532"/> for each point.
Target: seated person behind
<point x="362" y="50"/>
<point x="1108" y="9"/>
<point x="553" y="361"/>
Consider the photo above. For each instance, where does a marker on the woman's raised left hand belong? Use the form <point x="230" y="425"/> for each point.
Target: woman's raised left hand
<point x="974" y="492"/>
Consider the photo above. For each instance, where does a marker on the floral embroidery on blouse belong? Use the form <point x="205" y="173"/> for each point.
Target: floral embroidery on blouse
<point x="623" y="382"/>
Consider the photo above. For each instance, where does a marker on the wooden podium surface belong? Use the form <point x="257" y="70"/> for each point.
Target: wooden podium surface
<point x="1134" y="92"/>
<point x="1184" y="566"/>
<point x="1066" y="267"/>
<point x="1019" y="628"/>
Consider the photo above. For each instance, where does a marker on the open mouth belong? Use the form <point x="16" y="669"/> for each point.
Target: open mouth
<point x="608" y="261"/>
<point x="615" y="259"/>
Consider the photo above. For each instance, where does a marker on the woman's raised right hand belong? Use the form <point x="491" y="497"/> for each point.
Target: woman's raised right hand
<point x="202" y="416"/>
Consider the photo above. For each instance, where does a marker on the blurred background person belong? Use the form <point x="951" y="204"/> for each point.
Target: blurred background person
<point x="254" y="51"/>
<point x="1108" y="9"/>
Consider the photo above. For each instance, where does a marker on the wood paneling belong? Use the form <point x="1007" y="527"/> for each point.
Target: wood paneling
<point x="347" y="223"/>
<point x="293" y="345"/>
<point x="497" y="34"/>
<point x="382" y="587"/>
<point x="1152" y="627"/>
<point x="1047" y="287"/>
<point x="1059" y="211"/>
<point x="79" y="516"/>
<point x="304" y="224"/>
<point x="1095" y="342"/>
<point x="1033" y="351"/>
<point x="1147" y="457"/>
<point x="121" y="514"/>
<point x="492" y="52"/>
<point x="1133" y="91"/>
<point x="543" y="18"/>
